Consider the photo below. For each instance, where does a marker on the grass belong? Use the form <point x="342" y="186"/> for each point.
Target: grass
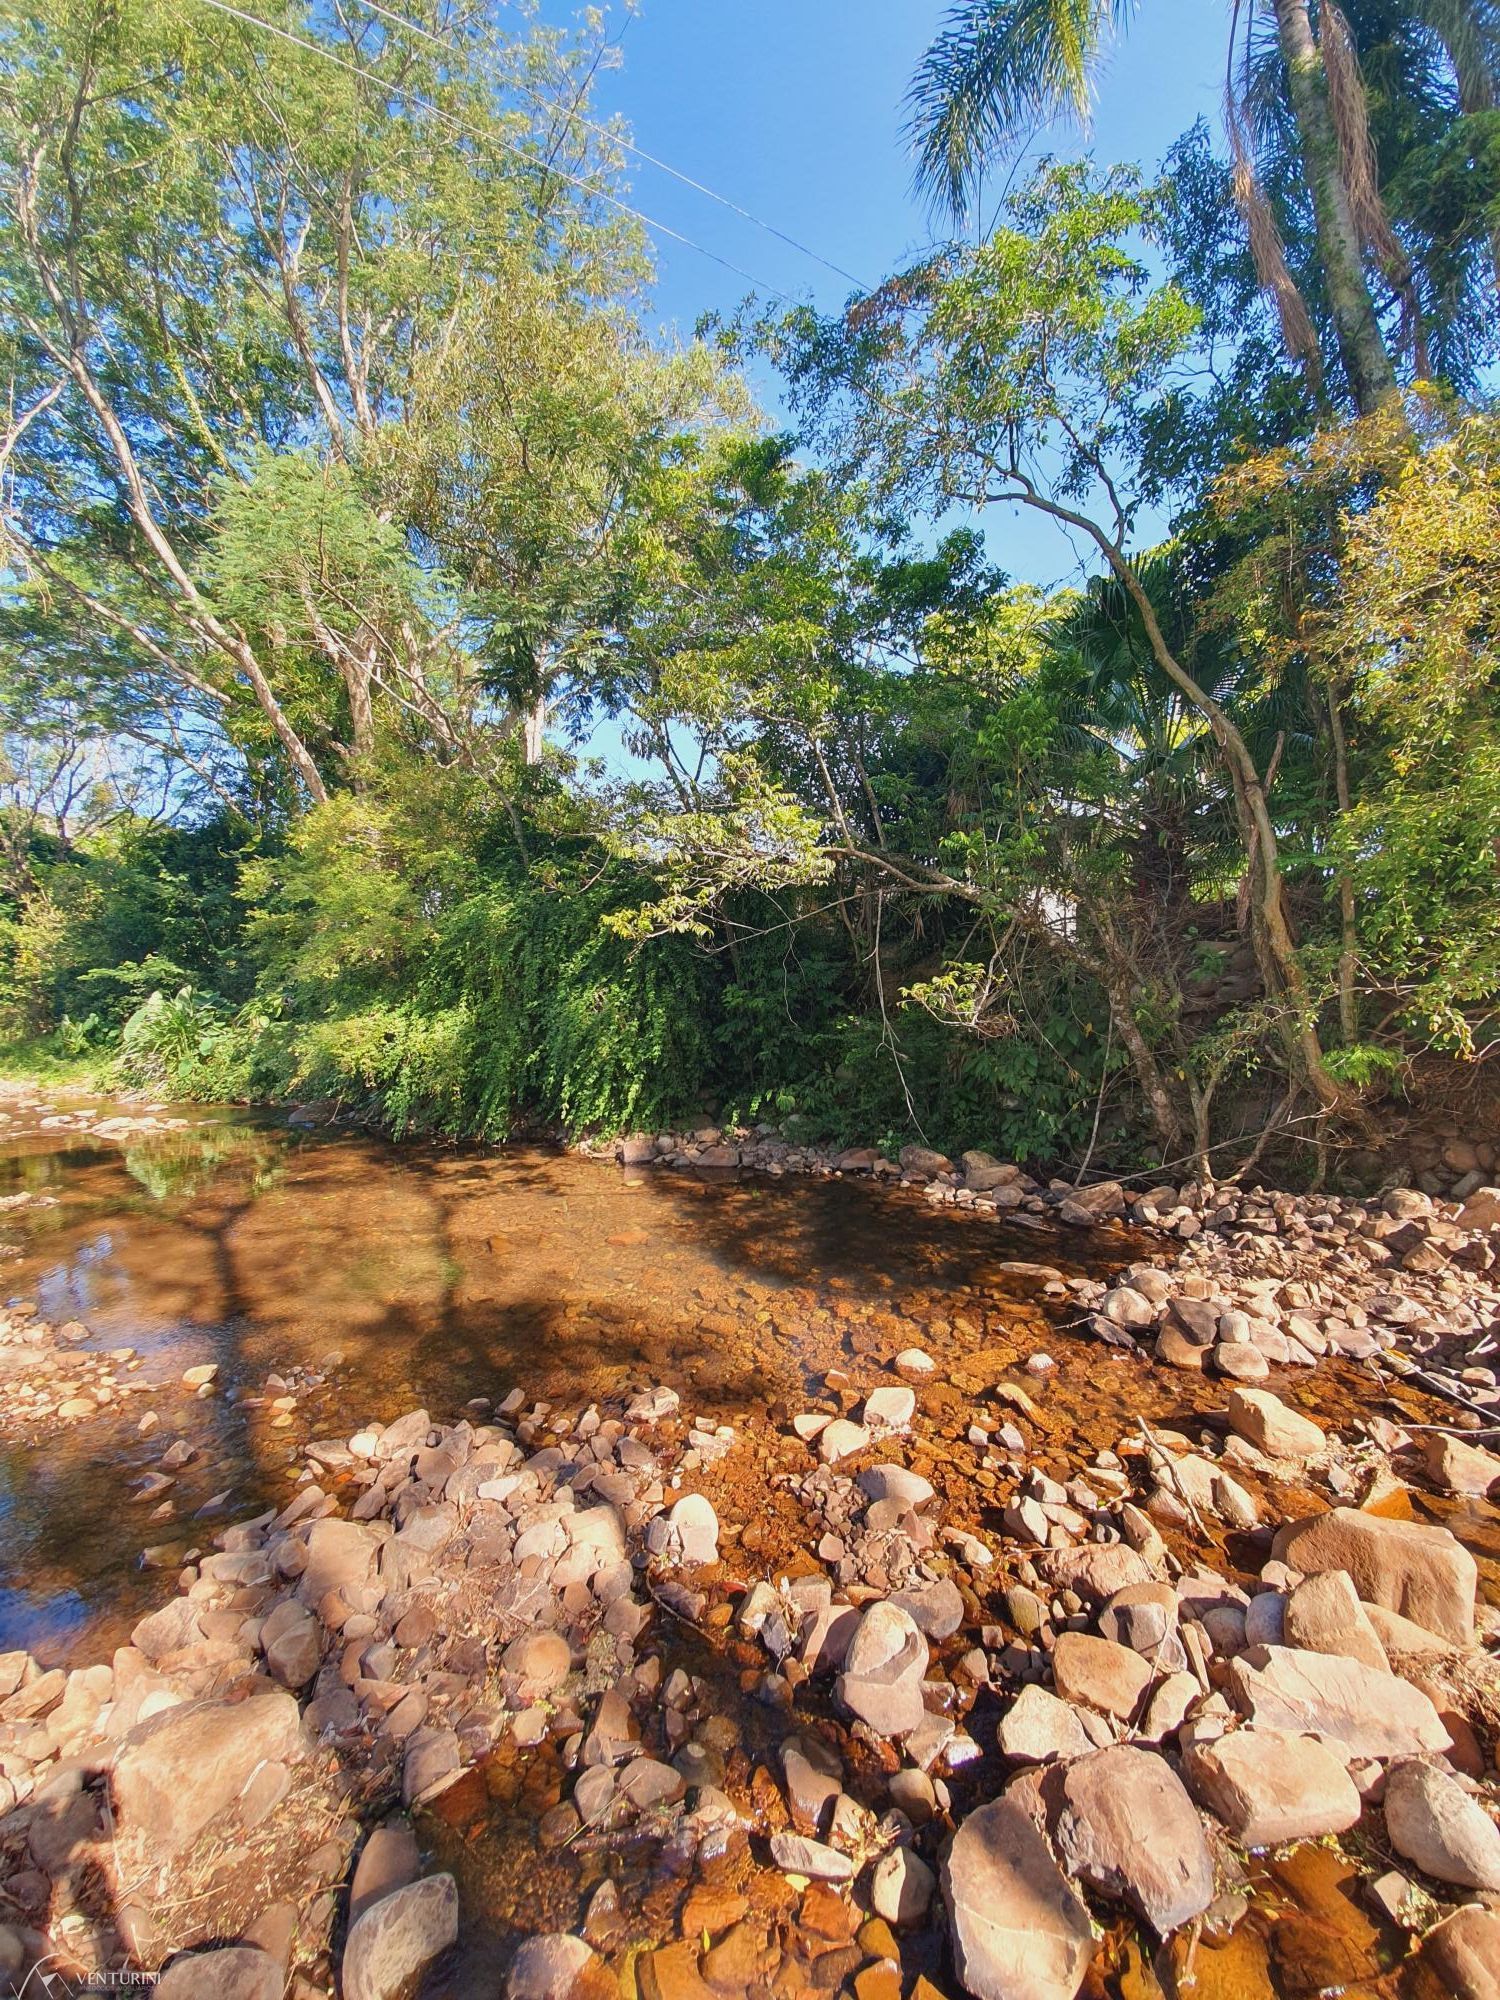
<point x="40" y="1060"/>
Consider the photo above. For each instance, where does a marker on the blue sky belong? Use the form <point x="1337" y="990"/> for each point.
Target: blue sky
<point x="792" y="108"/>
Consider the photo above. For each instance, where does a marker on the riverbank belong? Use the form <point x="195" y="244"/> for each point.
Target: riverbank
<point x="1158" y="1610"/>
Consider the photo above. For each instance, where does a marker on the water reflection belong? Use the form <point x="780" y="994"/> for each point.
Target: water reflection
<point x="400" y="1275"/>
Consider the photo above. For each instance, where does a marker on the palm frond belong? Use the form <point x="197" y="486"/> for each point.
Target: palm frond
<point x="998" y="68"/>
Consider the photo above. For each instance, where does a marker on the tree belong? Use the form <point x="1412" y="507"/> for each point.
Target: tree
<point x="231" y="255"/>
<point x="1002" y="65"/>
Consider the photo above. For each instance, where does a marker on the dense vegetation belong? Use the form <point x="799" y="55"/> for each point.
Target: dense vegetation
<point x="344" y="495"/>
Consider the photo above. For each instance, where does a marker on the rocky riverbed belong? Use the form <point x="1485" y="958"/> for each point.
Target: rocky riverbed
<point x="1141" y="1644"/>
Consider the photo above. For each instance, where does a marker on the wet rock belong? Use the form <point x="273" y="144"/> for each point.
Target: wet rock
<point x="1463" y="1953"/>
<point x="1431" y="1820"/>
<point x="1323" y="1615"/>
<point x="1266" y="1422"/>
<point x="1108" y="1677"/>
<point x="883" y="1671"/>
<point x="1020" y="1932"/>
<point x="431" y="1761"/>
<point x="794" y="1854"/>
<point x="235" y="1972"/>
<point x="901" y="1887"/>
<point x="1037" y="1728"/>
<point x="1268" y="1787"/>
<point x="1121" y="1819"/>
<point x="391" y="1941"/>
<point x="1321" y="1694"/>
<point x="552" y="1966"/>
<point x="914" y="1361"/>
<point x="180" y="1769"/>
<point x="1422" y="1572"/>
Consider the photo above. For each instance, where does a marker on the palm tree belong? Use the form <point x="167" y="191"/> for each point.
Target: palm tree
<point x="1000" y="67"/>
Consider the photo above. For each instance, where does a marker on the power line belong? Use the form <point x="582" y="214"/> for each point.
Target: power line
<point x="493" y="139"/>
<point x="629" y="146"/>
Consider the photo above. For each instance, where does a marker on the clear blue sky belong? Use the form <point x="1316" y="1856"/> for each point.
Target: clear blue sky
<point x="792" y="108"/>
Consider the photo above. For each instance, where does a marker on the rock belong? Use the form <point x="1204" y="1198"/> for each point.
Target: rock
<point x="696" y="1523"/>
<point x="891" y="1408"/>
<point x="1431" y="1820"/>
<point x="983" y="1172"/>
<point x="1268" y="1787"/>
<point x="201" y="1376"/>
<point x="539" y="1662"/>
<point x="340" y="1556"/>
<point x="1143" y="1616"/>
<point x="936" y="1609"/>
<point x="794" y="1854"/>
<point x="391" y="1941"/>
<point x="1108" y="1677"/>
<point x="841" y="1439"/>
<point x="551" y="1966"/>
<point x="1460" y="1468"/>
<point x="292" y="1641"/>
<point x="1096" y="1570"/>
<point x="1196" y="1319"/>
<point x="1177" y="1351"/>
<point x="814" y="1779"/>
<point x="1127" y="1307"/>
<point x="923" y="1160"/>
<point x="1323" y="1615"/>
<point x="1320" y="1694"/>
<point x="238" y="1972"/>
<point x="1121" y="1819"/>
<point x="1266" y="1422"/>
<point x="1481" y="1210"/>
<point x="894" y="1482"/>
<point x="901" y="1887"/>
<point x="181" y="1768"/>
<point x="1420" y="1571"/>
<point x="389" y="1860"/>
<point x="1019" y="1930"/>
<point x="914" y="1361"/>
<point x="883" y="1670"/>
<point x="1463" y="1952"/>
<point x="1240" y="1360"/>
<point x="1037" y="1728"/>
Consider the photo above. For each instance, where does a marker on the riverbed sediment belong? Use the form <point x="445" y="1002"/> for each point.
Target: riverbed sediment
<point x="1138" y="1641"/>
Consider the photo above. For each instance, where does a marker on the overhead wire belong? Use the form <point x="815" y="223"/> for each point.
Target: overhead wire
<point x="639" y="152"/>
<point x="590" y="188"/>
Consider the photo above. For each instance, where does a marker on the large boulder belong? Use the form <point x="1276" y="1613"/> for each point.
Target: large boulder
<point x="1268" y="1787"/>
<point x="1420" y="1571"/>
<point x="181" y="1768"/>
<point x="1322" y="1694"/>
<point x="1020" y="1932"/>
<point x="391" y="1940"/>
<point x="1432" y="1821"/>
<point x="1121" y="1820"/>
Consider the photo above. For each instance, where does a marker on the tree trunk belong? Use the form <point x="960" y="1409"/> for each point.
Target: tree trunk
<point x="1348" y="932"/>
<point x="1367" y="365"/>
